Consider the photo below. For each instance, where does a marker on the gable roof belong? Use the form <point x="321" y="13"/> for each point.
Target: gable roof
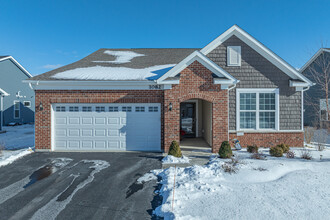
<point x="141" y="64"/>
<point x="17" y="64"/>
<point x="205" y="61"/>
<point x="3" y="92"/>
<point x="311" y="60"/>
<point x="260" y="48"/>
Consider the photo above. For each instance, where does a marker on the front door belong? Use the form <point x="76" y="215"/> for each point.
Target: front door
<point x="188" y="119"/>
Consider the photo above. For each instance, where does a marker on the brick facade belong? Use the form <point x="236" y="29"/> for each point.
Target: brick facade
<point x="196" y="82"/>
<point x="294" y="139"/>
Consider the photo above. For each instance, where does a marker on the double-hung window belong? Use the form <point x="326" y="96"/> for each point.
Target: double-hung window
<point x="257" y="109"/>
<point x="17" y="109"/>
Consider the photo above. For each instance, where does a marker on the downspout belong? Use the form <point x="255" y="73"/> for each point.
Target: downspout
<point x="237" y="81"/>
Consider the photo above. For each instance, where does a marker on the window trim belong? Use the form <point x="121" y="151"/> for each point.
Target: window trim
<point x="29" y="105"/>
<point x="257" y="91"/>
<point x="239" y="55"/>
<point x="19" y="109"/>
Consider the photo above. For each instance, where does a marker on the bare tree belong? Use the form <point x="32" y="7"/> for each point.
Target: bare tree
<point x="319" y="72"/>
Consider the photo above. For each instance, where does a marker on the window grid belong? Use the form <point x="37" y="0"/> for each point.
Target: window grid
<point x="139" y="109"/>
<point x="126" y="108"/>
<point x="100" y="109"/>
<point x="113" y="109"/>
<point x="73" y="109"/>
<point x="153" y="108"/>
<point x="86" y="108"/>
<point x="60" y="108"/>
<point x="257" y="110"/>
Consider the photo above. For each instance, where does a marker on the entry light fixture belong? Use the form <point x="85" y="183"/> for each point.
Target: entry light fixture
<point x="41" y="107"/>
<point x="170" y="106"/>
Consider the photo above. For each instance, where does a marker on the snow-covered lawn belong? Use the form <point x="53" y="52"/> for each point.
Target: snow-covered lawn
<point x="18" y="141"/>
<point x="275" y="188"/>
<point x="171" y="159"/>
<point x="18" y="137"/>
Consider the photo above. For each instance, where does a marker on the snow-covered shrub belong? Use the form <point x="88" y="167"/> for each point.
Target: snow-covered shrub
<point x="306" y="154"/>
<point x="225" y="150"/>
<point x="276" y="151"/>
<point x="175" y="150"/>
<point x="229" y="168"/>
<point x="284" y="147"/>
<point x="258" y="156"/>
<point x="290" y="154"/>
<point x="252" y="149"/>
<point x="260" y="169"/>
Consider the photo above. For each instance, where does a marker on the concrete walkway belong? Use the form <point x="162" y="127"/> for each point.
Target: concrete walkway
<point x="196" y="149"/>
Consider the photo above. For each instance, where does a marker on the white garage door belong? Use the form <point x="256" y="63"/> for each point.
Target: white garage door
<point x="87" y="127"/>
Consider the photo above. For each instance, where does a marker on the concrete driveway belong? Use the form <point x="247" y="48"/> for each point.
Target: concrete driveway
<point x="79" y="186"/>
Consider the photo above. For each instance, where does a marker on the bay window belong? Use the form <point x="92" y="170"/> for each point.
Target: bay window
<point x="257" y="109"/>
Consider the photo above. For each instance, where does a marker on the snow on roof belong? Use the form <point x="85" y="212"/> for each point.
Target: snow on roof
<point x="114" y="73"/>
<point x="121" y="56"/>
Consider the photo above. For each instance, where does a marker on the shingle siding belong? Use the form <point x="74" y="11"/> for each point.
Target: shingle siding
<point x="257" y="72"/>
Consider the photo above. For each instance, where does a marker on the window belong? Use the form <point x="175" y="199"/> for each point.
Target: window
<point x="86" y="108"/>
<point x="73" y="109"/>
<point x="234" y="56"/>
<point x="17" y="109"/>
<point x="27" y="104"/>
<point x="113" y="109"/>
<point x="323" y="107"/>
<point x="139" y="109"/>
<point x="153" y="109"/>
<point x="100" y="109"/>
<point x="126" y="108"/>
<point x="60" y="108"/>
<point x="257" y="109"/>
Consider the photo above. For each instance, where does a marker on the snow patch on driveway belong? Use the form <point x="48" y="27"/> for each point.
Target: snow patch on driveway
<point x="10" y="156"/>
<point x="54" y="206"/>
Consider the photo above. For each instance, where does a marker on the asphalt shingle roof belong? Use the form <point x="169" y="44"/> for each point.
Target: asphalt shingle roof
<point x="152" y="57"/>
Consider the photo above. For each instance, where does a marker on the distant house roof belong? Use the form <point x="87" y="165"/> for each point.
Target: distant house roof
<point x="311" y="60"/>
<point x="120" y="64"/>
<point x="3" y="92"/>
<point x="17" y="64"/>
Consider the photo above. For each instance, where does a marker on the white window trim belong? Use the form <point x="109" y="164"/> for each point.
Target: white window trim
<point x="257" y="91"/>
<point x="29" y="105"/>
<point x="19" y="109"/>
<point x="239" y="55"/>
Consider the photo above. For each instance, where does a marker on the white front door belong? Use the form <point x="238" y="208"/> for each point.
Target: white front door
<point x="88" y="127"/>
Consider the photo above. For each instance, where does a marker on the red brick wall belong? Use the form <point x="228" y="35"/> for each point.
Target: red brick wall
<point x="47" y="97"/>
<point x="196" y="82"/>
<point x="270" y="139"/>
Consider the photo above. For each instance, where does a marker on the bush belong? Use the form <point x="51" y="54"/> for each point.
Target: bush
<point x="276" y="151"/>
<point x="306" y="154"/>
<point x="225" y="150"/>
<point x="175" y="149"/>
<point x="284" y="147"/>
<point x="252" y="149"/>
<point x="229" y="168"/>
<point x="290" y="154"/>
<point x="258" y="156"/>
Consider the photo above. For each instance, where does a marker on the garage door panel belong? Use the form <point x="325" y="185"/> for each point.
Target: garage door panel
<point x="108" y="129"/>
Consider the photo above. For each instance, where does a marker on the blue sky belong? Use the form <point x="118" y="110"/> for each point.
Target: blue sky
<point x="44" y="34"/>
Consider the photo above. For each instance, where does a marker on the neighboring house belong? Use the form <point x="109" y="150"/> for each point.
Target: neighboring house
<point x="140" y="99"/>
<point x="317" y="69"/>
<point x="3" y="94"/>
<point x="18" y="106"/>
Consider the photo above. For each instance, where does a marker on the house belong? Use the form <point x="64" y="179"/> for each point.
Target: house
<point x="2" y="95"/>
<point x="317" y="69"/>
<point x="18" y="105"/>
<point x="141" y="99"/>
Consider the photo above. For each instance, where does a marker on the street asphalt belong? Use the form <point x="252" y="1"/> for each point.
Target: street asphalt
<point x="79" y="186"/>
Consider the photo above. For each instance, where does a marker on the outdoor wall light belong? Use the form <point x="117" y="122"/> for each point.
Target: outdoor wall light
<point x="170" y="106"/>
<point x="41" y="107"/>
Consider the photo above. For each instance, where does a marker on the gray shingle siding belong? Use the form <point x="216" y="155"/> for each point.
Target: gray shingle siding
<point x="257" y="72"/>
